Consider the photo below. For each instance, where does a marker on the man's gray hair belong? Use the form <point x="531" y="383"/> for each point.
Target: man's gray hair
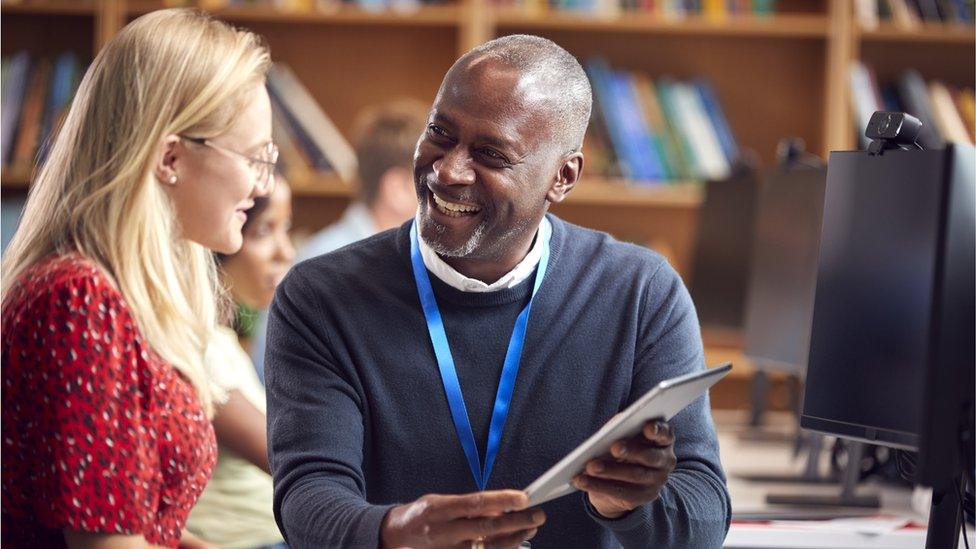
<point x="552" y="66"/>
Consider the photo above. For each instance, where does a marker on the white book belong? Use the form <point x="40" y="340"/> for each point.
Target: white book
<point x="702" y="135"/>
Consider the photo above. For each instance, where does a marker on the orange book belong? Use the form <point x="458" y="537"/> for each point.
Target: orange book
<point x="966" y="103"/>
<point x="31" y="117"/>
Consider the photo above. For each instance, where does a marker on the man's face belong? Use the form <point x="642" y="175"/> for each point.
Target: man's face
<point x="485" y="163"/>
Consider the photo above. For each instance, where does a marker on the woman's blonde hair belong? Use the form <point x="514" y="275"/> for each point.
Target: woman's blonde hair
<point x="175" y="71"/>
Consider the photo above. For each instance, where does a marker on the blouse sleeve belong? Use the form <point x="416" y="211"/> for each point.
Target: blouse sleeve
<point x="82" y="398"/>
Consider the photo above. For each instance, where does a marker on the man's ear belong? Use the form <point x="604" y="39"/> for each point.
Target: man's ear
<point x="167" y="155"/>
<point x="569" y="173"/>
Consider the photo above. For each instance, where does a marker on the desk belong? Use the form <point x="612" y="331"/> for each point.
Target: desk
<point x="741" y="457"/>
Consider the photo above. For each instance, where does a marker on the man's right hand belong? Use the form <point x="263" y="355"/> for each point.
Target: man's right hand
<point x="499" y="518"/>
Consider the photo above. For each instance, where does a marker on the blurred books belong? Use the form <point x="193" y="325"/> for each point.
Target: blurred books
<point x="36" y="93"/>
<point x="948" y="113"/>
<point x="656" y="131"/>
<point x="911" y="14"/>
<point x="307" y="139"/>
<point x="717" y="10"/>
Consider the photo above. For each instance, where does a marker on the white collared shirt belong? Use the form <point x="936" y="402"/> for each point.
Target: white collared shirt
<point x="452" y="278"/>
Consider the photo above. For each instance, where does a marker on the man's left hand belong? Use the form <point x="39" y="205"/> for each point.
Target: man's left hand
<point x="632" y="474"/>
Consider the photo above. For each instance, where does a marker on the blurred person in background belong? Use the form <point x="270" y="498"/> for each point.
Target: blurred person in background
<point x="109" y="286"/>
<point x="235" y="509"/>
<point x="385" y="138"/>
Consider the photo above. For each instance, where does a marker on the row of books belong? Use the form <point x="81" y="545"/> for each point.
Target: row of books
<point x="308" y="141"/>
<point x="306" y="6"/>
<point x="910" y="14"/>
<point x="948" y="113"/>
<point x="666" y="9"/>
<point x="35" y="94"/>
<point x="655" y="131"/>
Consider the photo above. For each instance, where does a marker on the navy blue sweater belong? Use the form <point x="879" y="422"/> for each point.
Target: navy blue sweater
<point x="358" y="420"/>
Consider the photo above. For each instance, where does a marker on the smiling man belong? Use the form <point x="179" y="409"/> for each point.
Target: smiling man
<point x="419" y="379"/>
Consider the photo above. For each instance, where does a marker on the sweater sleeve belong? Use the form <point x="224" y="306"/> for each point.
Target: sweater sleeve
<point x="694" y="509"/>
<point x="315" y="429"/>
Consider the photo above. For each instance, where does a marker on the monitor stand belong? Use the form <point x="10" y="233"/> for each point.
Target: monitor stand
<point x="848" y="496"/>
<point x="811" y="443"/>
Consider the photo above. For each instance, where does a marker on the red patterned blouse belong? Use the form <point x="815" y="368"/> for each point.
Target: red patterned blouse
<point x="99" y="433"/>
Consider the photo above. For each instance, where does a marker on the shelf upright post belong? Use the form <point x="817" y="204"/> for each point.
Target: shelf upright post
<point x="838" y="129"/>
<point x="109" y="15"/>
<point x="477" y="25"/>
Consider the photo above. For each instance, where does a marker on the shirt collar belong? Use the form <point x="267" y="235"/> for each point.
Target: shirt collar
<point x="522" y="271"/>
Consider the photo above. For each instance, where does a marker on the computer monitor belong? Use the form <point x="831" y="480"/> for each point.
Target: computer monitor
<point x="892" y="344"/>
<point x="723" y="249"/>
<point x="783" y="276"/>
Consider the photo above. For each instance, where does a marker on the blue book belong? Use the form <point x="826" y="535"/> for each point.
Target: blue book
<point x="62" y="87"/>
<point x="720" y="124"/>
<point x="639" y="138"/>
<point x="601" y="78"/>
<point x="17" y="76"/>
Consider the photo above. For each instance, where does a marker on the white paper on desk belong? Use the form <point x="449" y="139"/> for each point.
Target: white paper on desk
<point x="868" y="526"/>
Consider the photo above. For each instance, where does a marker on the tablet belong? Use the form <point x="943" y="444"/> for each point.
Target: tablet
<point x="665" y="400"/>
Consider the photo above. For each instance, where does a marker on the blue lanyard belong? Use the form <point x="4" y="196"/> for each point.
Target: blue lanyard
<point x="445" y="362"/>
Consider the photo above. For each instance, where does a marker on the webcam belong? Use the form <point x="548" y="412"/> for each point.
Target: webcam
<point x="892" y="130"/>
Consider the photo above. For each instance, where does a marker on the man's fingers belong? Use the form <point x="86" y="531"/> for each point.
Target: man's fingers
<point x="639" y="453"/>
<point x="625" y="472"/>
<point x="486" y="527"/>
<point x="658" y="432"/>
<point x="510" y="541"/>
<point x="634" y="494"/>
<point x="479" y="504"/>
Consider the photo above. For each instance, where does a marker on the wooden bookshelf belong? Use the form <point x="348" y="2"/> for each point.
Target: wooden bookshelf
<point x="51" y="7"/>
<point x="591" y="191"/>
<point x="774" y="26"/>
<point x="784" y="74"/>
<point x="423" y="16"/>
<point x="927" y="33"/>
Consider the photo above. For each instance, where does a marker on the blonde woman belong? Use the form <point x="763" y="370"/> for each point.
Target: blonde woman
<point x="109" y="286"/>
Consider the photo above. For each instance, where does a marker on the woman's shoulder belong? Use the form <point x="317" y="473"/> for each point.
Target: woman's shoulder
<point x="62" y="289"/>
<point x="70" y="274"/>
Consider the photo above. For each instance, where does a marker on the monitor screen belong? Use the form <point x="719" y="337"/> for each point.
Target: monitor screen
<point x="723" y="247"/>
<point x="783" y="276"/>
<point x="872" y="315"/>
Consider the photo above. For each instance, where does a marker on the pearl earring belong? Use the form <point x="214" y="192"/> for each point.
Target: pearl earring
<point x="172" y="179"/>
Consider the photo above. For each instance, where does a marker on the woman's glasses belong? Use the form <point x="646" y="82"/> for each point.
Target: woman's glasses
<point x="262" y="166"/>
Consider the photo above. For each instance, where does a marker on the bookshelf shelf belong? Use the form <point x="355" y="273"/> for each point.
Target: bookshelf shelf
<point x="50" y="7"/>
<point x="15" y="178"/>
<point x="780" y="26"/>
<point x="446" y="15"/>
<point x="930" y="33"/>
<point x="590" y="191"/>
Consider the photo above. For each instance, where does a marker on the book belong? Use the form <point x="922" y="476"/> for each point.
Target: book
<point x="946" y="115"/>
<point x="669" y="148"/>
<point x="652" y="133"/>
<point x="15" y="87"/>
<point x="865" y="99"/>
<point x="672" y="111"/>
<point x="64" y="80"/>
<point x="639" y="146"/>
<point x="32" y="116"/>
<point x="314" y="128"/>
<point x="966" y="105"/>
<point x="915" y="98"/>
<point x="703" y="136"/>
<point x="717" y="118"/>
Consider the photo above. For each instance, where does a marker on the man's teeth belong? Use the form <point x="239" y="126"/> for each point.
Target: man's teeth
<point x="451" y="207"/>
